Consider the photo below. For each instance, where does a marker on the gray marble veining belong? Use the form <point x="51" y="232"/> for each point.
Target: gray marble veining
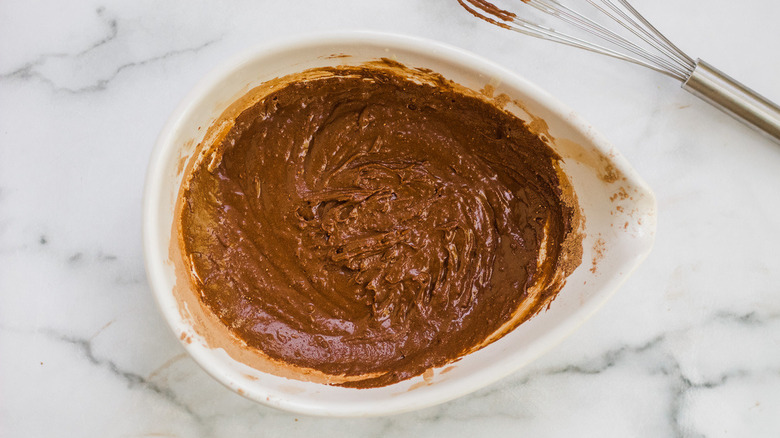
<point x="689" y="347"/>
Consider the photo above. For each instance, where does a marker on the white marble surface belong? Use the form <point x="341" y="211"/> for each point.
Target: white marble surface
<point x="690" y="346"/>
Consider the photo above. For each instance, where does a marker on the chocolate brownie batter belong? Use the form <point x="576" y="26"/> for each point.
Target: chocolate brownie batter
<point x="364" y="225"/>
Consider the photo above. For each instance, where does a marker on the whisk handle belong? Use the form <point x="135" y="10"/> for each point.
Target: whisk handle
<point x="742" y="103"/>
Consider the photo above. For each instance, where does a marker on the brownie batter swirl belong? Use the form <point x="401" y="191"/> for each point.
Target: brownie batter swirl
<point x="363" y="225"/>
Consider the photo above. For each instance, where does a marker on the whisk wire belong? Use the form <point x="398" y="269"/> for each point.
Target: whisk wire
<point x="524" y="27"/>
<point x="582" y="22"/>
<point x="668" y="60"/>
<point x="687" y="60"/>
<point x="651" y="37"/>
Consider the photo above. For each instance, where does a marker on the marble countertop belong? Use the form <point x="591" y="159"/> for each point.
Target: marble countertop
<point x="689" y="347"/>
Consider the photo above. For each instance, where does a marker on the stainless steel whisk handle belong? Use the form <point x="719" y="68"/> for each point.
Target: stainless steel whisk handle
<point x="742" y="103"/>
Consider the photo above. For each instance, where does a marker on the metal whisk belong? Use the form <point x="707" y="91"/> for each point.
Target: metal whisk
<point x="639" y="42"/>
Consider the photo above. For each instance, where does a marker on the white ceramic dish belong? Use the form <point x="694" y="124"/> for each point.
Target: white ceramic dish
<point x="619" y="208"/>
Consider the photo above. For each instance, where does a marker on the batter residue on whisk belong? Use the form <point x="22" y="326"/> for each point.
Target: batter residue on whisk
<point x="370" y="228"/>
<point x="486" y="7"/>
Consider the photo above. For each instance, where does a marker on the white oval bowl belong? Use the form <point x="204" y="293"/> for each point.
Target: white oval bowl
<point x="619" y="229"/>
